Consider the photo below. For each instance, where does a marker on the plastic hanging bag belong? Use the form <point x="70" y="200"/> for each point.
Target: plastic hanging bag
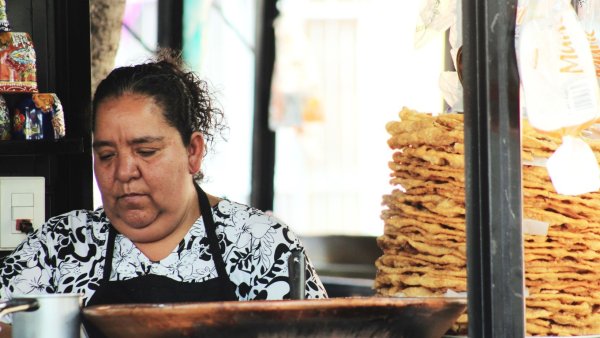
<point x="556" y="67"/>
<point x="435" y="16"/>
<point x="573" y="168"/>
<point x="450" y="82"/>
<point x="561" y="93"/>
<point x="589" y="16"/>
<point x="452" y="91"/>
<point x="455" y="34"/>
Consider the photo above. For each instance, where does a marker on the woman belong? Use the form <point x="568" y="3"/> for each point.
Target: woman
<point x="158" y="236"/>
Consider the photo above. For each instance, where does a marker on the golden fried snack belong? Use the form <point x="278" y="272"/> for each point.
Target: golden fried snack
<point x="424" y="240"/>
<point x="398" y="258"/>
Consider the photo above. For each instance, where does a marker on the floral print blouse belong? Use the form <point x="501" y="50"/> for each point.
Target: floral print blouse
<point x="67" y="255"/>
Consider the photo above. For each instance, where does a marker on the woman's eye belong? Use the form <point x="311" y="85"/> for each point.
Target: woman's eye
<point x="146" y="152"/>
<point x="105" y="156"/>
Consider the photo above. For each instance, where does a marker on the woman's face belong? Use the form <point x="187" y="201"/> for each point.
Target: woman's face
<point x="143" y="169"/>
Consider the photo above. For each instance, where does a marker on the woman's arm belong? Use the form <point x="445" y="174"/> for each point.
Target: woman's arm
<point x="26" y="269"/>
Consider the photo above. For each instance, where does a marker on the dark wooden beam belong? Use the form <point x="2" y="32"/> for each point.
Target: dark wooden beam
<point x="170" y="24"/>
<point x="496" y="302"/>
<point x="263" y="139"/>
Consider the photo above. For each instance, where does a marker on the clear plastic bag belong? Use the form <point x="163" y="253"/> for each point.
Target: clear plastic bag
<point x="573" y="168"/>
<point x="589" y="16"/>
<point x="556" y="67"/>
<point x="435" y="16"/>
<point x="561" y="93"/>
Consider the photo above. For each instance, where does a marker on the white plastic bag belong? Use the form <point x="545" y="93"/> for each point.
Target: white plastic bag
<point x="449" y="81"/>
<point x="435" y="16"/>
<point x="452" y="91"/>
<point x="560" y="88"/>
<point x="556" y="67"/>
<point x="573" y="168"/>
<point x="589" y="16"/>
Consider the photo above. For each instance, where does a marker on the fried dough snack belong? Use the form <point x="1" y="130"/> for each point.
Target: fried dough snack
<point x="424" y="241"/>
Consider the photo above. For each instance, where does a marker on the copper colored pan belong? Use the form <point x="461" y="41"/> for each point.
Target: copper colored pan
<point x="335" y="317"/>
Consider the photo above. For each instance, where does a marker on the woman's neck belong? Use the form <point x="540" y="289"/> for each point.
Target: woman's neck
<point x="159" y="250"/>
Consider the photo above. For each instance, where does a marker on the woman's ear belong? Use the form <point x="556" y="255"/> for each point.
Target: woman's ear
<point x="195" y="152"/>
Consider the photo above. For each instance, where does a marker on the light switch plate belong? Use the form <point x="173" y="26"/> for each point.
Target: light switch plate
<point x="20" y="198"/>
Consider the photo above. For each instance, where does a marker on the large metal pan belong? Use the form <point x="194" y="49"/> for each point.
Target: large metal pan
<point x="334" y="317"/>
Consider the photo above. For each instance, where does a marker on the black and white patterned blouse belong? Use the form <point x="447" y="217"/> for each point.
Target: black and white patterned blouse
<point x="67" y="255"/>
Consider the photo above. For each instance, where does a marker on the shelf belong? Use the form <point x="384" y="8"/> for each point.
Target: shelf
<point x="41" y="147"/>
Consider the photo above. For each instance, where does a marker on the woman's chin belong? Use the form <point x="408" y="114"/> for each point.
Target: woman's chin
<point x="143" y="226"/>
<point x="138" y="220"/>
<point x="134" y="224"/>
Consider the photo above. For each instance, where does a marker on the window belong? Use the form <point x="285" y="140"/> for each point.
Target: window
<point x="331" y="169"/>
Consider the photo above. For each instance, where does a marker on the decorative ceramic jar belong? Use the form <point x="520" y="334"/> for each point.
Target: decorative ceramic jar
<point x="4" y="120"/>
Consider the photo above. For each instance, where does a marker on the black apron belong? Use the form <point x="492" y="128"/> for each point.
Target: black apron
<point x="160" y="289"/>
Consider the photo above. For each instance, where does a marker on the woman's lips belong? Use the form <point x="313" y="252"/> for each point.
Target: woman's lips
<point x="131" y="198"/>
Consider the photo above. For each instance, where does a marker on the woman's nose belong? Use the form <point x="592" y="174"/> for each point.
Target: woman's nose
<point x="126" y="168"/>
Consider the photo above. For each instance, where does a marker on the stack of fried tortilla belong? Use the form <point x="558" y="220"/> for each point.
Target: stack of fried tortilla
<point x="424" y="240"/>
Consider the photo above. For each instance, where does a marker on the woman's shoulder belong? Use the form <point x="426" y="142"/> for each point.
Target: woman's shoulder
<point x="79" y="217"/>
<point x="74" y="220"/>
<point x="243" y="221"/>
<point x="242" y="213"/>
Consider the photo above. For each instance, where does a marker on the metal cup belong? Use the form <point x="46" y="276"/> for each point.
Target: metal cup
<point x="58" y="316"/>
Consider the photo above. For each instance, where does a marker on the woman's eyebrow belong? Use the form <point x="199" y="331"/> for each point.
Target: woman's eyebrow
<point x="145" y="139"/>
<point x="98" y="144"/>
<point x="137" y="140"/>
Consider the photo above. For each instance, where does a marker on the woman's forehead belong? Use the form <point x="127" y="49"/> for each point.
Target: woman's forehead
<point x="131" y="112"/>
<point x="130" y="104"/>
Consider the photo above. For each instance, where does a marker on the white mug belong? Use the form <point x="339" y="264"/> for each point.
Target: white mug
<point x="58" y="316"/>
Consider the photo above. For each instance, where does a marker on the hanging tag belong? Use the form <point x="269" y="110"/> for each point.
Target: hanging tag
<point x="573" y="168"/>
<point x="535" y="227"/>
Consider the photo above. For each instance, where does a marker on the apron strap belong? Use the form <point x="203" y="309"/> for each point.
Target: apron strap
<point x="110" y="248"/>
<point x="211" y="231"/>
<point x="209" y="225"/>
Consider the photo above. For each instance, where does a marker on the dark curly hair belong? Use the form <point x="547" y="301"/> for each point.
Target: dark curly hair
<point x="185" y="100"/>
